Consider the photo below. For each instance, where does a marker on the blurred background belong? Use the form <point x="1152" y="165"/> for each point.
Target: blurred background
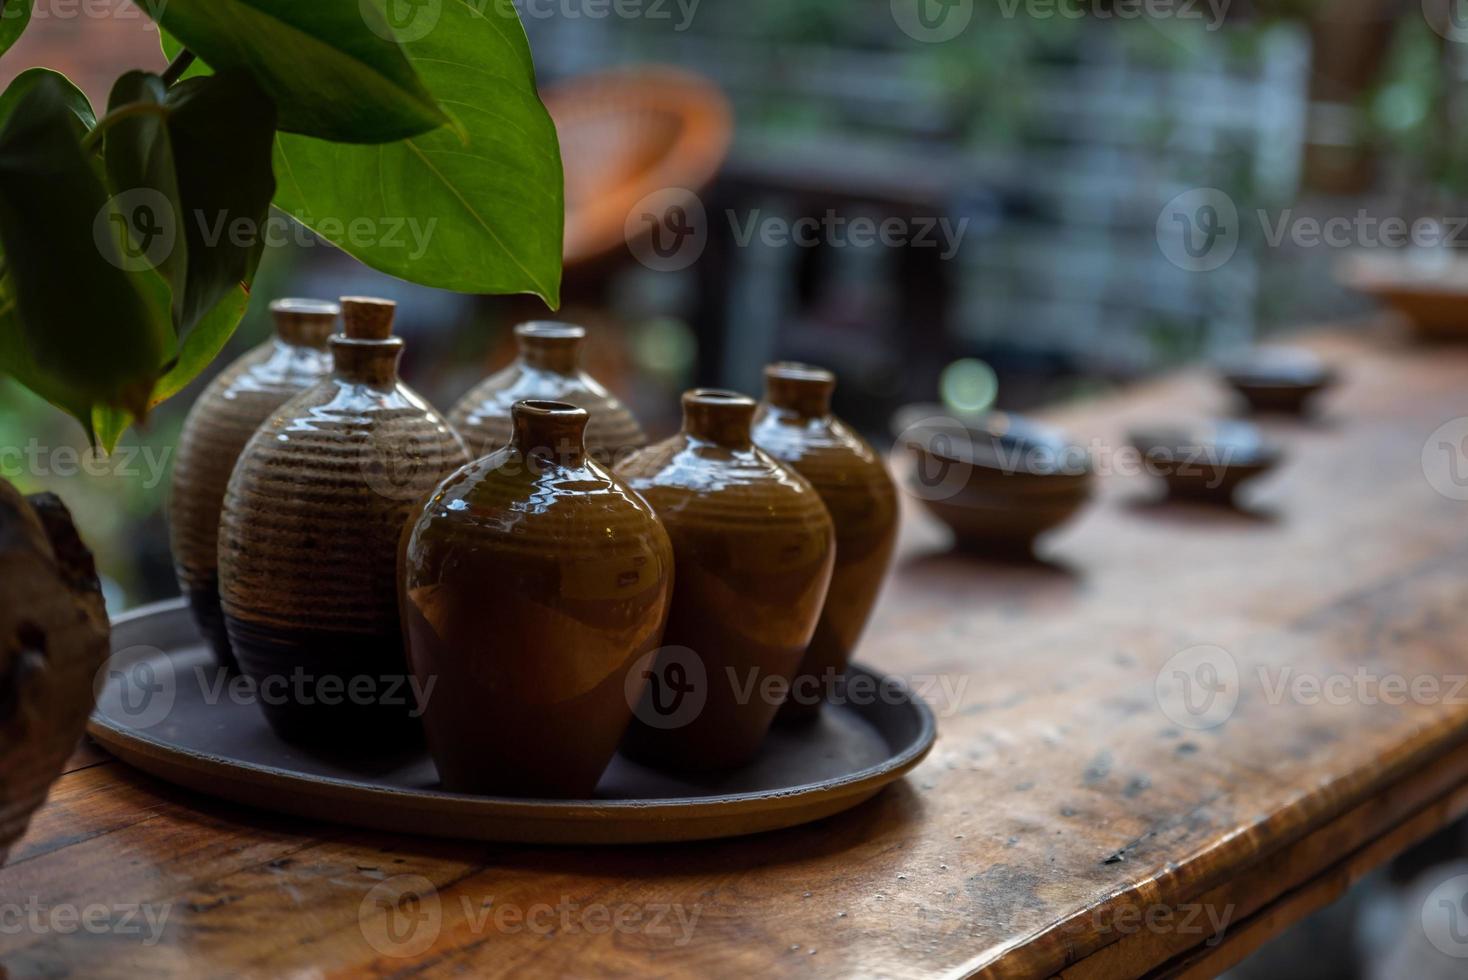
<point x="940" y="199"/>
<point x="959" y="201"/>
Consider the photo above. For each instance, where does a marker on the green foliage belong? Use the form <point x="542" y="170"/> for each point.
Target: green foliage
<point x="14" y="15"/>
<point x="85" y="323"/>
<point x="490" y="204"/>
<point x="129" y="243"/>
<point x="333" y="67"/>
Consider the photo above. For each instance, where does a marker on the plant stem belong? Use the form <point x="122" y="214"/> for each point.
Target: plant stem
<point x="91" y="140"/>
<point x="177" y="67"/>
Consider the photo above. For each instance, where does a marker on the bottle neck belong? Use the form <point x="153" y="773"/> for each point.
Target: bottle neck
<point x="799" y="390"/>
<point x="547" y="346"/>
<point x="721" y="418"/>
<point x="368" y="362"/>
<point x="549" y="432"/>
<point x="304" y="322"/>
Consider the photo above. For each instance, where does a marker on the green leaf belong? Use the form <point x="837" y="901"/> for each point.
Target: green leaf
<point x="28" y="79"/>
<point x="140" y="169"/>
<point x="16" y="361"/>
<point x="484" y="215"/>
<point x="222" y="130"/>
<point x="84" y="322"/>
<point x="14" y="15"/>
<point x="198" y="351"/>
<point x="334" y="67"/>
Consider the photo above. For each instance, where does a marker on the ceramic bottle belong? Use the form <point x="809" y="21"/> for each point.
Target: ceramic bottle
<point x="309" y="534"/>
<point x="548" y="368"/>
<point x="795" y="425"/>
<point x="754" y="548"/>
<point x="532" y="584"/>
<point x="228" y="412"/>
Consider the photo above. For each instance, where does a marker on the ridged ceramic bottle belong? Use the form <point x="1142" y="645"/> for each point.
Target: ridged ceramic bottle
<point x="754" y="548"/>
<point x="223" y="419"/>
<point x="548" y="368"/>
<point x="309" y="537"/>
<point x="795" y="425"/>
<point x="532" y="584"/>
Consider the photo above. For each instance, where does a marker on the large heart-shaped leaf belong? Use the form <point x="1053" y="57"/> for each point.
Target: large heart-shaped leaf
<point x="14" y="15"/>
<point x="482" y="215"/>
<point x="334" y="67"/>
<point x="221" y="129"/>
<point x="84" y="323"/>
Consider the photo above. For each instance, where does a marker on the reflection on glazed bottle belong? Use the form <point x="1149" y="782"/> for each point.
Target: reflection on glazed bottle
<point x="754" y="549"/>
<point x="309" y="535"/>
<point x="532" y="583"/>
<point x="548" y="368"/>
<point x="222" y="420"/>
<point x="795" y="425"/>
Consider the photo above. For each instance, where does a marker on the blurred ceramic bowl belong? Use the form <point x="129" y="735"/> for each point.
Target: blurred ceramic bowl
<point x="998" y="481"/>
<point x="1427" y="286"/>
<point x="1208" y="461"/>
<point x="1006" y="455"/>
<point x="1279" y="380"/>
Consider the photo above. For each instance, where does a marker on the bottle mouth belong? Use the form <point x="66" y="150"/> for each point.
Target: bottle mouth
<point x="550" y="330"/>
<point x="802" y="373"/>
<point x="541" y="409"/>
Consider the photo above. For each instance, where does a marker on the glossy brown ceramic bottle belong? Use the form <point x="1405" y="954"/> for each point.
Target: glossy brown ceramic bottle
<point x="228" y="412"/>
<point x="548" y="369"/>
<point x="309" y="536"/>
<point x="532" y="584"/>
<point x="795" y="425"/>
<point x="754" y="549"/>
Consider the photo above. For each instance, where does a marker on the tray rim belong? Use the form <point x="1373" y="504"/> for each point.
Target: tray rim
<point x="132" y="746"/>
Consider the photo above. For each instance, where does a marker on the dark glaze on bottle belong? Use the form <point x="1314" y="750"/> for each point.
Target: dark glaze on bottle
<point x="754" y="549"/>
<point x="309" y="536"/>
<point x="532" y="584"/>
<point x="795" y="425"/>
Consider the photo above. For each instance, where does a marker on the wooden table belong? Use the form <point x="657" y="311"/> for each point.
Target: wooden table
<point x="1065" y="823"/>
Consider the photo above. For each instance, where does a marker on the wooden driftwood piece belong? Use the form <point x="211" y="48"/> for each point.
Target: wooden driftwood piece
<point x="53" y="638"/>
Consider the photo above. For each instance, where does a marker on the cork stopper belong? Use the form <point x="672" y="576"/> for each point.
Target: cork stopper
<point x="366" y="318"/>
<point x="720" y="417"/>
<point x="367" y="352"/>
<point x="304" y="322"/>
<point x="551" y="346"/>
<point x="551" y="431"/>
<point x="800" y="388"/>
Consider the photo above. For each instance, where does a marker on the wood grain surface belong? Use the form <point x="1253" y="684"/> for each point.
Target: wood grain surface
<point x="1064" y="824"/>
